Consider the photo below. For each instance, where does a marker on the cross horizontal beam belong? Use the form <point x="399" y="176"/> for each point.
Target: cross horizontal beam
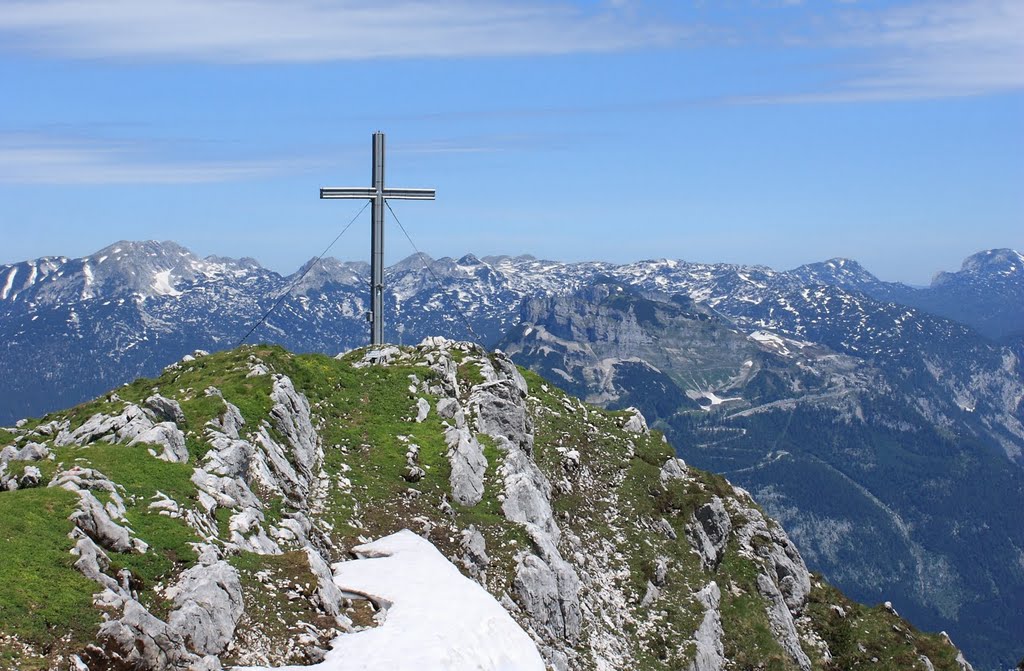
<point x="355" y="192"/>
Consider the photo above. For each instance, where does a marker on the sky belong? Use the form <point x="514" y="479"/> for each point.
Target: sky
<point x="773" y="132"/>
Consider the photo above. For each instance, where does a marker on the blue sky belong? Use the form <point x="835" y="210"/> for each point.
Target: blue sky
<point x="752" y="131"/>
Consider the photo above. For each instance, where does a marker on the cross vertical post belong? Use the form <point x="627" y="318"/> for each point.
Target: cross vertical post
<point x="377" y="243"/>
<point x="378" y="195"/>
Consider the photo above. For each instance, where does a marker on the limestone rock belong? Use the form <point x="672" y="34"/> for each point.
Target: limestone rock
<point x="93" y="562"/>
<point x="447" y="407"/>
<point x="32" y="452"/>
<point x="474" y="556"/>
<point x="781" y="556"/>
<point x="30" y="477"/>
<point x="781" y="621"/>
<point x="113" y="428"/>
<point x="144" y="642"/>
<point x="291" y="417"/>
<point x="92" y="518"/>
<point x="379" y="357"/>
<point x="468" y="463"/>
<point x="636" y="423"/>
<point x="500" y="411"/>
<point x="208" y="604"/>
<point x="673" y="469"/>
<point x="328" y="596"/>
<point x="166" y="409"/>
<point x="548" y="588"/>
<point x="527" y="491"/>
<point x="708" y="532"/>
<point x="168" y="436"/>
<point x="651" y="595"/>
<point x="708" y="637"/>
<point x="422" y="409"/>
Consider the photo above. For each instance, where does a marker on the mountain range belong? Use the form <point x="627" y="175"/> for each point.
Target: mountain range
<point x="881" y="423"/>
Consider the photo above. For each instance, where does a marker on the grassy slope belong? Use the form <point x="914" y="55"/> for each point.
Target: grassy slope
<point x="363" y="413"/>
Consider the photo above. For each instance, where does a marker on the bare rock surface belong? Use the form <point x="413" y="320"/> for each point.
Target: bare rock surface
<point x="708" y="532"/>
<point x="708" y="637"/>
<point x="466" y="456"/>
<point x="166" y="409"/>
<point x="168" y="436"/>
<point x="208" y="604"/>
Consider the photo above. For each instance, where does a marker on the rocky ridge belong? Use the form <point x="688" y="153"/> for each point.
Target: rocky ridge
<point x="207" y="507"/>
<point x="886" y="469"/>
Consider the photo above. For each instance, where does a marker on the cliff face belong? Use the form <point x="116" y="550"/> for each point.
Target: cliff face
<point x="896" y="473"/>
<point x="191" y="521"/>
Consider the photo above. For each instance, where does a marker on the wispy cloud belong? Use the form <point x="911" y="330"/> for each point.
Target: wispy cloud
<point x="40" y="160"/>
<point x="920" y="51"/>
<point x="257" y="31"/>
<point x="32" y="158"/>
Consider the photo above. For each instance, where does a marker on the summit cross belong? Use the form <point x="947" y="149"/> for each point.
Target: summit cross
<point x="377" y="194"/>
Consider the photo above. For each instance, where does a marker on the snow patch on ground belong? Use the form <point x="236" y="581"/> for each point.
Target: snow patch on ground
<point x="8" y="284"/>
<point x="718" y="400"/>
<point x="162" y="284"/>
<point x="437" y="618"/>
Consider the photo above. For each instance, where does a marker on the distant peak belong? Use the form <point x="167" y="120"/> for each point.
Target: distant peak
<point x="994" y="260"/>
<point x="124" y="247"/>
<point x="840" y="262"/>
<point x="838" y="270"/>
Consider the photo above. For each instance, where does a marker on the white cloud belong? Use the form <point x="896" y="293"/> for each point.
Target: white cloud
<point x="31" y="160"/>
<point x="27" y="158"/>
<point x="926" y="50"/>
<point x="254" y="31"/>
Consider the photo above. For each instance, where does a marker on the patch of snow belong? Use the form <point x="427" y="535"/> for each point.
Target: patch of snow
<point x="8" y="284"/>
<point x="162" y="284"/>
<point x="718" y="400"/>
<point x="89" y="279"/>
<point x="436" y="617"/>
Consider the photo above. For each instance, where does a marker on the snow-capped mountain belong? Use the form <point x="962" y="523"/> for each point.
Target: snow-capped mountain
<point x="986" y="293"/>
<point x="76" y="327"/>
<point x="822" y="350"/>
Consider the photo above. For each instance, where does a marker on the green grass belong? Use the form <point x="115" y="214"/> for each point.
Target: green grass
<point x="872" y="636"/>
<point x="43" y="599"/>
<point x="142" y="476"/>
<point x="363" y="413"/>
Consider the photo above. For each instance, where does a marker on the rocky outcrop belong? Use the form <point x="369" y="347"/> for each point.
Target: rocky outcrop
<point x="139" y="640"/>
<point x="166" y="409"/>
<point x="636" y="423"/>
<point x="283" y="455"/>
<point x="781" y="620"/>
<point x="29" y="476"/>
<point x="167" y="435"/>
<point x="708" y="532"/>
<point x="579" y="522"/>
<point x="133" y="426"/>
<point x="474" y="557"/>
<point x="784" y="581"/>
<point x="545" y="585"/>
<point x="468" y="463"/>
<point x="708" y="638"/>
<point x="208" y="604"/>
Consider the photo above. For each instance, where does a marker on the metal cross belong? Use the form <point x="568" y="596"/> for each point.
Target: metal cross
<point x="377" y="195"/>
